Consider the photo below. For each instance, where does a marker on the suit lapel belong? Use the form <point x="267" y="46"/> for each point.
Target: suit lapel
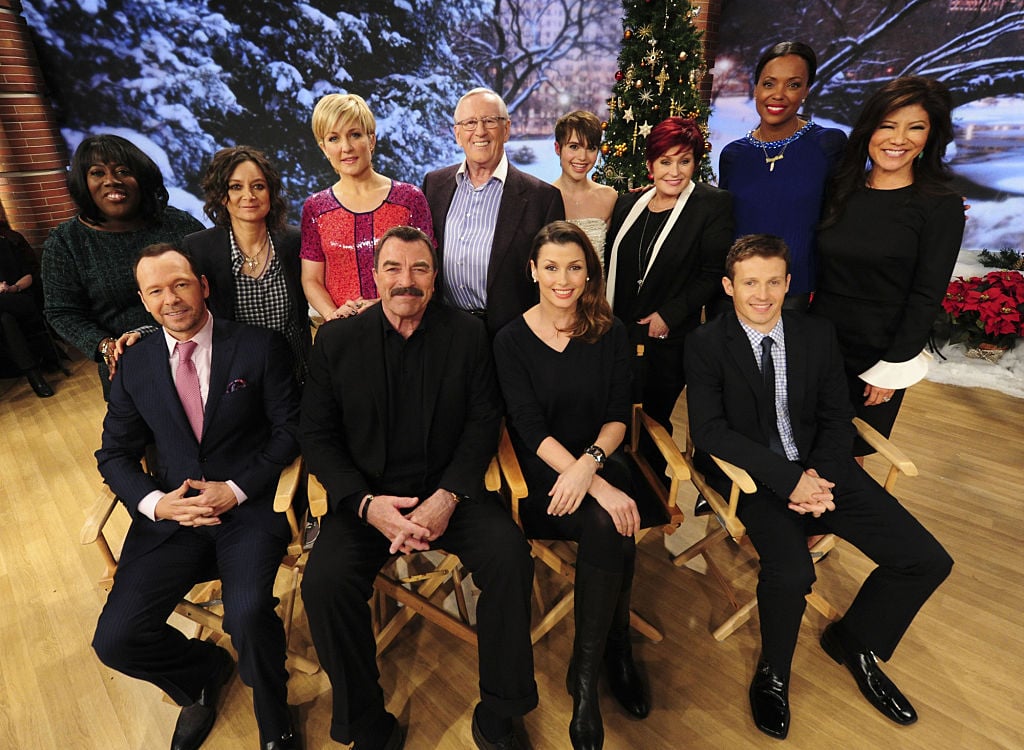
<point x="374" y="357"/>
<point x="510" y="212"/>
<point x="796" y="372"/>
<point x="221" y="358"/>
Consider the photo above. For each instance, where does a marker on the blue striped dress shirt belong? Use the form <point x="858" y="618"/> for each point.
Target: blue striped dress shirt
<point x="777" y="334"/>
<point x="468" y="237"/>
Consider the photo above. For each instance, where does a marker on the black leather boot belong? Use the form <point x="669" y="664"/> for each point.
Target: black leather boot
<point x="596" y="594"/>
<point x="38" y="383"/>
<point x="624" y="678"/>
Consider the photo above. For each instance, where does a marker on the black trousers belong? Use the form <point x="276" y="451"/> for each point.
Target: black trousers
<point x="133" y="636"/>
<point x="22" y="330"/>
<point x="663" y="377"/>
<point x="336" y="589"/>
<point x="911" y="565"/>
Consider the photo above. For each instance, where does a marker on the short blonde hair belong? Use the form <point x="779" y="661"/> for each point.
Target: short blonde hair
<point x="341" y="108"/>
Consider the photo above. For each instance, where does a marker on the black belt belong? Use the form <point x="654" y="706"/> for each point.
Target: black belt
<point x="482" y="314"/>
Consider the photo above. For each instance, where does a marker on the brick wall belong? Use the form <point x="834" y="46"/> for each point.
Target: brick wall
<point x="33" y="185"/>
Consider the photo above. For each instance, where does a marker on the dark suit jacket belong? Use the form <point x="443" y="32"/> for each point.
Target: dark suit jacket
<point x="527" y="205"/>
<point x="250" y="428"/>
<point x="211" y="249"/>
<point x="730" y="410"/>
<point x="345" y="405"/>
<point x="687" y="274"/>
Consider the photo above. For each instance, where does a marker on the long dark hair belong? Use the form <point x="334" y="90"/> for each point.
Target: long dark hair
<point x="930" y="171"/>
<point x="113" y="149"/>
<point x="218" y="174"/>
<point x="593" y="313"/>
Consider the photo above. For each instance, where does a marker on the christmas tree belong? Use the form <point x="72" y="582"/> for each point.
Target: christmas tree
<point x="661" y="67"/>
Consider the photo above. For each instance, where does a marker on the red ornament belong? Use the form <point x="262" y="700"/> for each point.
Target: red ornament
<point x="619" y="75"/>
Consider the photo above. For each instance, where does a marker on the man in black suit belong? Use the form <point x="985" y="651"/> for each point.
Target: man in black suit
<point x="766" y="390"/>
<point x="486" y="214"/>
<point x="400" y="418"/>
<point x="219" y="402"/>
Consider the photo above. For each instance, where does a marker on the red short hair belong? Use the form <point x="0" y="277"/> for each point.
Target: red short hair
<point x="675" y="131"/>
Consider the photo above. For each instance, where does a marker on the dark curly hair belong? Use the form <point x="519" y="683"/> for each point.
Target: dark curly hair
<point x="593" y="313"/>
<point x="218" y="174"/>
<point x="113" y="149"/>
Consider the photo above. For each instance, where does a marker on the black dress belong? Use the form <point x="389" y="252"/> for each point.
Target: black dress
<point x="567" y="395"/>
<point x="884" y="268"/>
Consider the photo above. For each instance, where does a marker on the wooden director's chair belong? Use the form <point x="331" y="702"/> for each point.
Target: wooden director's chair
<point x="416" y="581"/>
<point x="203" y="605"/>
<point x="560" y="556"/>
<point x="725" y="523"/>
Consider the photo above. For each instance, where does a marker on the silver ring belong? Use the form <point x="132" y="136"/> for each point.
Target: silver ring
<point x="663" y="336"/>
<point x="886" y="399"/>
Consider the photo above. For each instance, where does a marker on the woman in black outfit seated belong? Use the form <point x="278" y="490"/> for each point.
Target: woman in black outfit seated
<point x="23" y="337"/>
<point x="251" y="257"/>
<point x="564" y="368"/>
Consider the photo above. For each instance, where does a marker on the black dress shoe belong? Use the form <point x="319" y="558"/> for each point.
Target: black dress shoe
<point x="290" y="741"/>
<point x="769" y="701"/>
<point x="196" y="721"/>
<point x="876" y="687"/>
<point x="396" y="740"/>
<point x="508" y="742"/>
<point x="38" y="383"/>
<point x="702" y="507"/>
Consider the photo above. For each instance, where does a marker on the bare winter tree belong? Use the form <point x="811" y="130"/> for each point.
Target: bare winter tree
<point x="514" y="48"/>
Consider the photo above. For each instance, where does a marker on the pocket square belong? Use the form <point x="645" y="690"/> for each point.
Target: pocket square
<point x="236" y="385"/>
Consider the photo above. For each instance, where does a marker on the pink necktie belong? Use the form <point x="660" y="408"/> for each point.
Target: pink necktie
<point x="187" y="383"/>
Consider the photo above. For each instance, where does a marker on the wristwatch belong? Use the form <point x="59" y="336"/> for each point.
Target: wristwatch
<point x="598" y="454"/>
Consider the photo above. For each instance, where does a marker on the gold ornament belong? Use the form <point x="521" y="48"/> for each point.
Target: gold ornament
<point x="682" y="55"/>
<point x="627" y="34"/>
<point x="662" y="78"/>
<point x="620" y="149"/>
<point x="605" y="149"/>
<point x="646" y="31"/>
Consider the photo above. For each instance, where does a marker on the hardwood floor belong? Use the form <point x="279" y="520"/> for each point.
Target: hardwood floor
<point x="961" y="663"/>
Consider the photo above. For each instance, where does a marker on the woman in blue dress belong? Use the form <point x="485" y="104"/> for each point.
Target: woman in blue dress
<point x="778" y="172"/>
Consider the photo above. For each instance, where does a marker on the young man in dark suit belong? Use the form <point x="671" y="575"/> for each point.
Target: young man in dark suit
<point x="219" y="403"/>
<point x="766" y="391"/>
<point x="486" y="214"/>
<point x="400" y="418"/>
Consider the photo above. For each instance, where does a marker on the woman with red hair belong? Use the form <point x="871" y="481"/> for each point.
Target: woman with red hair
<point x="667" y="257"/>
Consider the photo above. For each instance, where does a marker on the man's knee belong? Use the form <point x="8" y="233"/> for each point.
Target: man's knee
<point x="792" y="577"/>
<point x="114" y="640"/>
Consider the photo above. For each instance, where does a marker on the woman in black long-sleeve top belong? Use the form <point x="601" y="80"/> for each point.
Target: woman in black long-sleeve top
<point x="667" y="257"/>
<point x="564" y="368"/>
<point x="889" y="241"/>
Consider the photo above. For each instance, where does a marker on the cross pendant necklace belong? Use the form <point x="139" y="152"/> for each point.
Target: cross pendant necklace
<point x="770" y="160"/>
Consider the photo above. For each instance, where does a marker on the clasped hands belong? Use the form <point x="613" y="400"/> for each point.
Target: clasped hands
<point x="578" y="480"/>
<point x="415" y="531"/>
<point x="204" y="509"/>
<point x="812" y="494"/>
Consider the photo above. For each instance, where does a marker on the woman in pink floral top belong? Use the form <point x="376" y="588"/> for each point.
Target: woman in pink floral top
<point x="342" y="224"/>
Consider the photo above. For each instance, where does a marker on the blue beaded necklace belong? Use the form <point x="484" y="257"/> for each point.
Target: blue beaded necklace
<point x="765" y="145"/>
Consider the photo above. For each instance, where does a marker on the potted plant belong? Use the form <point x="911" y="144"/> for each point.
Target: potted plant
<point x="985" y="313"/>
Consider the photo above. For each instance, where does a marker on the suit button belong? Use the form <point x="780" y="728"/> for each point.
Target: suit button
<point x="202" y="459"/>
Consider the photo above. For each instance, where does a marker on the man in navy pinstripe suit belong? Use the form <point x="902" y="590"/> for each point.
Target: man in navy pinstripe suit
<point x="207" y="509"/>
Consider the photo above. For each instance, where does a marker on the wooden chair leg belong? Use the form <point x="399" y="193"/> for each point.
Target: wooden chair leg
<point x="644" y="628"/>
<point x="553" y="617"/>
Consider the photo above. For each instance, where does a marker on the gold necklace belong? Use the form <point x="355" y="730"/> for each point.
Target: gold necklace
<point x="252" y="261"/>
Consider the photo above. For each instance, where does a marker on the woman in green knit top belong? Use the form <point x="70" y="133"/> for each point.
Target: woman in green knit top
<point x="89" y="287"/>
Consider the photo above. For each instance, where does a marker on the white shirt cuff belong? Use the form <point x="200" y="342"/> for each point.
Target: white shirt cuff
<point x="897" y="375"/>
<point x="147" y="505"/>
<point x="240" y="496"/>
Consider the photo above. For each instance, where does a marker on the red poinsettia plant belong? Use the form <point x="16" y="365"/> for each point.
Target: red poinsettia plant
<point x="986" y="309"/>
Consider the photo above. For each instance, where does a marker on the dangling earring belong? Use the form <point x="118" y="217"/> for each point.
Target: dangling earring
<point x="534" y="279"/>
<point x="588" y="279"/>
<point x="920" y="156"/>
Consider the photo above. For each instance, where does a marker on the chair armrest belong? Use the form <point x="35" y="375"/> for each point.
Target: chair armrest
<point x="666" y="446"/>
<point x="510" y="468"/>
<point x="737" y="476"/>
<point x="287" y="485"/>
<point x="885" y="448"/>
<point x="100" y="511"/>
<point x="317" y="495"/>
